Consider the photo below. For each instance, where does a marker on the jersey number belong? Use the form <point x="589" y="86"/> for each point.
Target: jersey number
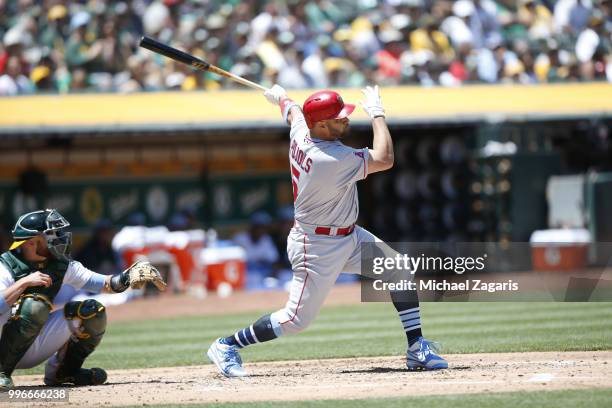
<point x="295" y="176"/>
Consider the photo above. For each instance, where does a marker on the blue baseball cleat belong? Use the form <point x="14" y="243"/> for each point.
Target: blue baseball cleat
<point x="422" y="355"/>
<point x="226" y="358"/>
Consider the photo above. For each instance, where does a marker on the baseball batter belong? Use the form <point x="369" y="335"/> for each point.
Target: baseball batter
<point x="325" y="240"/>
<point x="31" y="274"/>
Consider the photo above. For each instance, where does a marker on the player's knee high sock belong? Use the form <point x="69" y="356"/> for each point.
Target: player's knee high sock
<point x="259" y="332"/>
<point x="407" y="305"/>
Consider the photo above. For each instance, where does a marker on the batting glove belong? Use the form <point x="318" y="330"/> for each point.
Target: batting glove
<point x="275" y="94"/>
<point x="372" y="105"/>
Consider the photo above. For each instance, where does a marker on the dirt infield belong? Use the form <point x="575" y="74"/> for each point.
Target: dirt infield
<point x="168" y="306"/>
<point x="347" y="379"/>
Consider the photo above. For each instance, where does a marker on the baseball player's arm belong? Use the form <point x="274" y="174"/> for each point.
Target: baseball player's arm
<point x="278" y="96"/>
<point x="381" y="155"/>
<point x="98" y="283"/>
<point x="79" y="277"/>
<point x="9" y="295"/>
<point x="293" y="110"/>
<point x="11" y="290"/>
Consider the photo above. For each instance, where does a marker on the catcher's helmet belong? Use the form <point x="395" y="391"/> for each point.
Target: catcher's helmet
<point x="49" y="223"/>
<point x="325" y="105"/>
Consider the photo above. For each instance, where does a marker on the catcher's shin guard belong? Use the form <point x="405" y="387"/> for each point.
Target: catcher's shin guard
<point x="65" y="366"/>
<point x="22" y="329"/>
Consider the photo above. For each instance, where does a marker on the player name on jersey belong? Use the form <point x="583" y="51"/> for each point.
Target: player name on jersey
<point x="300" y="158"/>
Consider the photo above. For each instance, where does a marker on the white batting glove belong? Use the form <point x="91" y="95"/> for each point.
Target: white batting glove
<point x="275" y="94"/>
<point x="372" y="105"/>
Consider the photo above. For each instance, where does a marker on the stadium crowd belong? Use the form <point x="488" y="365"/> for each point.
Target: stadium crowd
<point x="72" y="46"/>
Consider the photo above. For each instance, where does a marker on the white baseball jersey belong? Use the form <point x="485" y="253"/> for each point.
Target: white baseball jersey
<point x="324" y="175"/>
<point x="56" y="331"/>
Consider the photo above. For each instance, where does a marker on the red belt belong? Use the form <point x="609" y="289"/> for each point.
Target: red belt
<point x="339" y="231"/>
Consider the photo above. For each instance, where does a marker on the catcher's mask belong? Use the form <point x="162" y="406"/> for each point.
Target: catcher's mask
<point x="49" y="223"/>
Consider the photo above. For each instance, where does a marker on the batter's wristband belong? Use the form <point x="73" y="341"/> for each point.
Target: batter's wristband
<point x="285" y="106"/>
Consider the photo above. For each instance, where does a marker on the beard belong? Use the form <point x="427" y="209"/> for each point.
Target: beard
<point x="342" y="133"/>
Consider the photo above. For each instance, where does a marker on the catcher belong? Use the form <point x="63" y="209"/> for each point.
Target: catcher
<point x="31" y="274"/>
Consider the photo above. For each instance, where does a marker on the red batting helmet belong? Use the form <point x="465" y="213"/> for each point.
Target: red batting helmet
<point x="325" y="105"/>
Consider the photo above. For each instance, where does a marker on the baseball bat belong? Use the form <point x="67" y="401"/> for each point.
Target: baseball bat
<point x="197" y="63"/>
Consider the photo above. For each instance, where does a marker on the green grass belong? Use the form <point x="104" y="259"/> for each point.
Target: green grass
<point x="553" y="399"/>
<point x="364" y="330"/>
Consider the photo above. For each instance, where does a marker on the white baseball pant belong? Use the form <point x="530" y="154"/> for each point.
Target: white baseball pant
<point x="54" y="334"/>
<point x="316" y="260"/>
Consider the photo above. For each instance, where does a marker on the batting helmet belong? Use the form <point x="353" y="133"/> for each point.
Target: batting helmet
<point x="325" y="105"/>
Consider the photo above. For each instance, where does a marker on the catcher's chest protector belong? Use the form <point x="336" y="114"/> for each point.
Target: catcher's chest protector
<point x="19" y="269"/>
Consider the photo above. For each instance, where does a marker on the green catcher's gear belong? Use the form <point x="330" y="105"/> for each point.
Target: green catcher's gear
<point x="20" y="269"/>
<point x="21" y="330"/>
<point x="51" y="224"/>
<point x="83" y="342"/>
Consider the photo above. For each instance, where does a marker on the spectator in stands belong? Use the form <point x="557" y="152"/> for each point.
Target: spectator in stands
<point x="429" y="37"/>
<point x="536" y="18"/>
<point x="314" y="70"/>
<point x="113" y="54"/>
<point x="55" y="31"/>
<point x="13" y="82"/>
<point x="571" y="16"/>
<point x="526" y="59"/>
<point x="388" y="58"/>
<point x="261" y="253"/>
<point x="456" y="25"/>
<point x="13" y="47"/>
<point x="483" y="24"/>
<point x="80" y="50"/>
<point x="592" y="47"/>
<point x="41" y="78"/>
<point x="290" y="75"/>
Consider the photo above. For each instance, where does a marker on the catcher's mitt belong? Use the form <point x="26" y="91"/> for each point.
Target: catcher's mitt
<point x="142" y="272"/>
